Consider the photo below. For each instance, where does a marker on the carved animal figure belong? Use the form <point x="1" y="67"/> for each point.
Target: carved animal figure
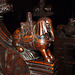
<point x="67" y="30"/>
<point x="35" y="36"/>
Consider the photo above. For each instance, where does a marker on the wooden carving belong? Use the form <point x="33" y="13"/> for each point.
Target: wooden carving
<point x="27" y="40"/>
<point x="64" y="46"/>
<point x="11" y="62"/>
<point x="35" y="36"/>
<point x="67" y="30"/>
<point x="42" y="10"/>
<point x="18" y="62"/>
<point x="4" y="6"/>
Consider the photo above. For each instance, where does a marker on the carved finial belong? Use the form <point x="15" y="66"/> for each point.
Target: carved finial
<point x="42" y="10"/>
<point x="29" y="17"/>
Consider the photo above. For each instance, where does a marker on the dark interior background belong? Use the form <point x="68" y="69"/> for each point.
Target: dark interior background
<point x="63" y="10"/>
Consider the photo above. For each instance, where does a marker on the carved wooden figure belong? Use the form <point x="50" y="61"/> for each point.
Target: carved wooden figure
<point x="67" y="30"/>
<point x="42" y="10"/>
<point x="33" y="36"/>
<point x="24" y="60"/>
<point x="5" y="7"/>
<point x="64" y="47"/>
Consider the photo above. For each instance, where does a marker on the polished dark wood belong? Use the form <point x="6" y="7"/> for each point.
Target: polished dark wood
<point x="64" y="47"/>
<point x="41" y="67"/>
<point x="19" y="53"/>
<point x="11" y="62"/>
<point x="36" y="36"/>
<point x="15" y="63"/>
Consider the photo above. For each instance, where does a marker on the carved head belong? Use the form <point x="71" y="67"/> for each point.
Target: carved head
<point x="71" y="21"/>
<point x="44" y="28"/>
<point x="5" y="6"/>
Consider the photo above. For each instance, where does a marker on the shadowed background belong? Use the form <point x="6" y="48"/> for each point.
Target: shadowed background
<point x="63" y="10"/>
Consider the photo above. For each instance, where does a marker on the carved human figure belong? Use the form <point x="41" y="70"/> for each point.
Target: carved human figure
<point x="35" y="36"/>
